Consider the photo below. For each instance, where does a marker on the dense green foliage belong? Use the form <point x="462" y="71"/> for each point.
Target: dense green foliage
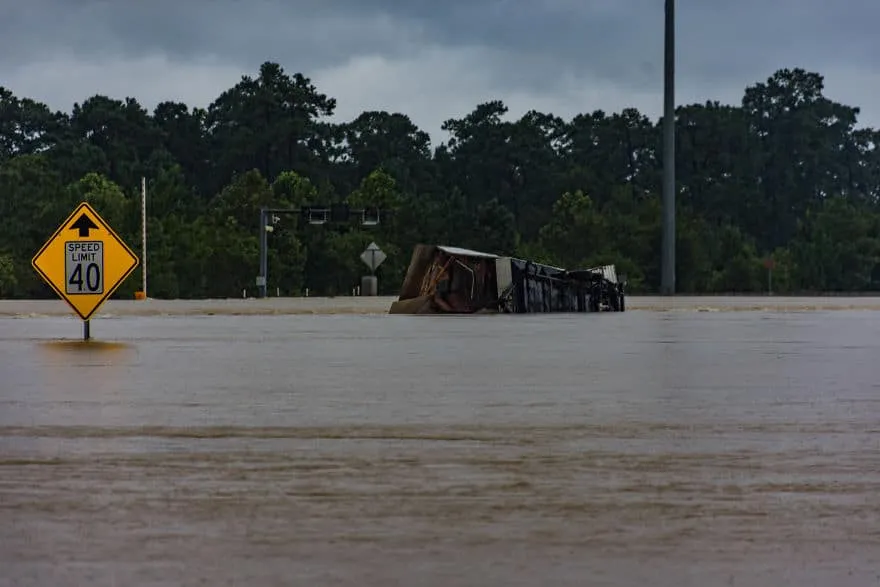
<point x="786" y="175"/>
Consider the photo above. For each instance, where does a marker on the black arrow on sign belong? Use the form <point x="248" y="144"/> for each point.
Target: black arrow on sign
<point x="83" y="224"/>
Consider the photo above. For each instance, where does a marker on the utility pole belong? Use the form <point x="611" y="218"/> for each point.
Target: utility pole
<point x="144" y="235"/>
<point x="667" y="286"/>
<point x="264" y="261"/>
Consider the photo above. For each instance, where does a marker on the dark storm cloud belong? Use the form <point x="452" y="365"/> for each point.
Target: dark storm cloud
<point x="573" y="54"/>
<point x="602" y="38"/>
<point x="617" y="40"/>
<point x="184" y="30"/>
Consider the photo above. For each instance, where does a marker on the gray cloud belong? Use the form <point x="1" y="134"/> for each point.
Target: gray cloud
<point x="435" y="60"/>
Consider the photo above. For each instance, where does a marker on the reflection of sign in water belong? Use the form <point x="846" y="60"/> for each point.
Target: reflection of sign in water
<point x="373" y="256"/>
<point x="84" y="261"/>
<point x="84" y="267"/>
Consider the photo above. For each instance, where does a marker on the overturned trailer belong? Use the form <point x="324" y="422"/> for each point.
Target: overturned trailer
<point x="451" y="280"/>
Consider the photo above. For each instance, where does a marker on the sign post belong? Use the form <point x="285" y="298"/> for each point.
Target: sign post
<point x="373" y="256"/>
<point x="84" y="262"/>
<point x="769" y="264"/>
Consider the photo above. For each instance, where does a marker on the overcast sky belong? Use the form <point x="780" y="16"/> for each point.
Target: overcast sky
<point x="433" y="59"/>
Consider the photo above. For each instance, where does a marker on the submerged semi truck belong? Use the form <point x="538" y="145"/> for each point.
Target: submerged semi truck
<point x="451" y="280"/>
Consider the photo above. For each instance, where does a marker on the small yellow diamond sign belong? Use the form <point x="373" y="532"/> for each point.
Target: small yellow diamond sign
<point x="84" y="261"/>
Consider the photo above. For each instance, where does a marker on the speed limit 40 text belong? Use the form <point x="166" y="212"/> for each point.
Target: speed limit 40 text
<point x="84" y="267"/>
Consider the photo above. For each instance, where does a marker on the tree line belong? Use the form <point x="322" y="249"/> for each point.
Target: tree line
<point x="786" y="178"/>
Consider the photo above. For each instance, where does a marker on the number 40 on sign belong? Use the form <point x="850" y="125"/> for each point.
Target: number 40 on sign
<point x="84" y="261"/>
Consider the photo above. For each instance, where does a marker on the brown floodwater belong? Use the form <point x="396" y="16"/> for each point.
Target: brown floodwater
<point x="645" y="448"/>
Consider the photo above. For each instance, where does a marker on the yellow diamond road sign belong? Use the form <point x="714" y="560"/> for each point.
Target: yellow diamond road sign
<point x="84" y="261"/>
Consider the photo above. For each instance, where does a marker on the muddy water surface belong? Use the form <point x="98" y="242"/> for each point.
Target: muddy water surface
<point x="645" y="448"/>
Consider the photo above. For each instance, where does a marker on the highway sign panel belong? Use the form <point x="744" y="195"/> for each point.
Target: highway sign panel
<point x="84" y="261"/>
<point x="373" y="256"/>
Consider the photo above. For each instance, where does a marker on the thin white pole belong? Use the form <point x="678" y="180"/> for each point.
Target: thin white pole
<point x="144" y="233"/>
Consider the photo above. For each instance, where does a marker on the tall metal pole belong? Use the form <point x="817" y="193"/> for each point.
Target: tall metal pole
<point x="144" y="234"/>
<point x="264" y="262"/>
<point x="667" y="286"/>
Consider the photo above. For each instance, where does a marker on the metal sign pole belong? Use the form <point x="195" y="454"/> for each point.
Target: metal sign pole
<point x="332" y="214"/>
<point x="86" y="330"/>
